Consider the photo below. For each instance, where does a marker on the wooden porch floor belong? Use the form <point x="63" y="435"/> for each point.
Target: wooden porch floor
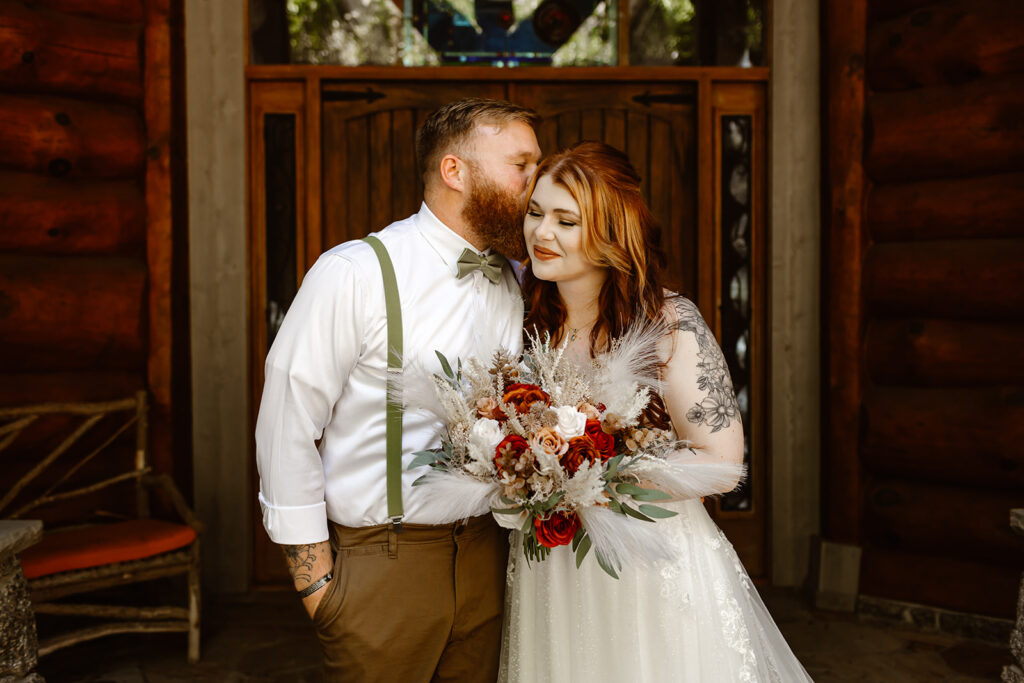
<point x="266" y="637"/>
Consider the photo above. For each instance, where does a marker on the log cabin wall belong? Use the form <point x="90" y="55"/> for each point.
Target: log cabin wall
<point x="89" y="263"/>
<point x="925" y="296"/>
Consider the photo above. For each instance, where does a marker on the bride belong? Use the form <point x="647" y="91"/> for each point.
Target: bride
<point x="595" y="265"/>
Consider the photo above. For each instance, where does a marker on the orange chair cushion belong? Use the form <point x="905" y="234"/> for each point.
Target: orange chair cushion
<point x="95" y="546"/>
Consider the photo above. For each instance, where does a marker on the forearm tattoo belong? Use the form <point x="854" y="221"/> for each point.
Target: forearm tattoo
<point x="718" y="408"/>
<point x="300" y="560"/>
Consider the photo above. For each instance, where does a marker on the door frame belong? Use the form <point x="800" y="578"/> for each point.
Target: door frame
<point x="299" y="90"/>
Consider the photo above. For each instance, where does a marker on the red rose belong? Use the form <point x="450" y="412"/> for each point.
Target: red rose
<point x="522" y="396"/>
<point x="510" y="452"/>
<point x="605" y="443"/>
<point x="580" y="448"/>
<point x="558" y="529"/>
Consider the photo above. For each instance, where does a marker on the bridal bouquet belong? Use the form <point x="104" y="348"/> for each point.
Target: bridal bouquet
<point x="556" y="448"/>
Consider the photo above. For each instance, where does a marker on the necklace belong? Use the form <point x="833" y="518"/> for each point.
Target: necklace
<point x="575" y="330"/>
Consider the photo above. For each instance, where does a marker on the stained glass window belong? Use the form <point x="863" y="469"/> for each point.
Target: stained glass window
<point x="506" y="33"/>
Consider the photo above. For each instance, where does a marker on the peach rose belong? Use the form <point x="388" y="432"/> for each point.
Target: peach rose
<point x="490" y="408"/>
<point x="549" y="441"/>
<point x="590" y="410"/>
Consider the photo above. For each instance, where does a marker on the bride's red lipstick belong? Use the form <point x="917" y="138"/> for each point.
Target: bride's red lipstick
<point x="543" y="254"/>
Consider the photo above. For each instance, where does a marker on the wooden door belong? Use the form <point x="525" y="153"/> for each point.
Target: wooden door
<point x="354" y="171"/>
<point x="370" y="176"/>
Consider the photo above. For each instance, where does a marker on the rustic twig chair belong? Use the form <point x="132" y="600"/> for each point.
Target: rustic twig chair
<point x="122" y="549"/>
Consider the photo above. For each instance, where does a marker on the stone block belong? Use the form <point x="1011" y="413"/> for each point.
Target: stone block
<point x="835" y="575"/>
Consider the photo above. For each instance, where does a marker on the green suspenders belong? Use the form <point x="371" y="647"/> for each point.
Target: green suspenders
<point x="393" y="440"/>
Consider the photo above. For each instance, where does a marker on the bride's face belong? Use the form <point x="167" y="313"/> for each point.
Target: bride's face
<point x="554" y="235"/>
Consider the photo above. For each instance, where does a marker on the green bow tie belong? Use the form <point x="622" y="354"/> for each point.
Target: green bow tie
<point x="490" y="265"/>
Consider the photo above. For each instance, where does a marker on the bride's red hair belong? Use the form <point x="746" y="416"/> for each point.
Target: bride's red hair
<point x="619" y="234"/>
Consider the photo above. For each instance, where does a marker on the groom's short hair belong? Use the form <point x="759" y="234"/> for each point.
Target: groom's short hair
<point x="447" y="129"/>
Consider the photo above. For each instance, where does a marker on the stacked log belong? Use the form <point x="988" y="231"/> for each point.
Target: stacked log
<point x="942" y="284"/>
<point x="85" y="200"/>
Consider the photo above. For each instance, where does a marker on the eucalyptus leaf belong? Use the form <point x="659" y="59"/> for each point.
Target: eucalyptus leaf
<point x="657" y="512"/>
<point x="507" y="511"/>
<point x="423" y="458"/>
<point x="551" y="502"/>
<point x="528" y="528"/>
<point x="582" y="550"/>
<point x="580" y="533"/>
<point x="445" y="365"/>
<point x="615" y="506"/>
<point x="633" y="513"/>
<point x="638" y="493"/>
<point x="613" y="466"/>
<point x="606" y="567"/>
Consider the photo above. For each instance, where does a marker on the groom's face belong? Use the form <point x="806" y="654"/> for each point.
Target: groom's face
<point x="501" y="162"/>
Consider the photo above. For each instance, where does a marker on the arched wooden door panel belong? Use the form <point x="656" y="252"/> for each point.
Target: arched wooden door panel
<point x="370" y="177"/>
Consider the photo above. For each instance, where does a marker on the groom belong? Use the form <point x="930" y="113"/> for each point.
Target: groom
<point x="397" y="597"/>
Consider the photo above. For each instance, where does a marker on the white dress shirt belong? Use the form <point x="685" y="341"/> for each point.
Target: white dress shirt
<point x="325" y="375"/>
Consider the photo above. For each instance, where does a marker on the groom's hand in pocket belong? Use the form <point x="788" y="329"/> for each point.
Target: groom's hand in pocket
<point x="308" y="564"/>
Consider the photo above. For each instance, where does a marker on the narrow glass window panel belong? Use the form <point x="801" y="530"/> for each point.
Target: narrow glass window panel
<point x="736" y="281"/>
<point x="280" y="192"/>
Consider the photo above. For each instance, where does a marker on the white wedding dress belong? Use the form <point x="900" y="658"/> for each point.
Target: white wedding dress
<point x="698" y="619"/>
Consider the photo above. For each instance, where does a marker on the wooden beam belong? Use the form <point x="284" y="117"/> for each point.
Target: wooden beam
<point x="49" y="52"/>
<point x="44" y="215"/>
<point x="955" y="521"/>
<point x="845" y="26"/>
<point x="940" y="580"/>
<point x="19" y="388"/>
<point x="70" y="138"/>
<point x="952" y="42"/>
<point x="123" y="11"/>
<point x="928" y="434"/>
<point x="879" y="10"/>
<point x="674" y="74"/>
<point x="947" y="131"/>
<point x="985" y="206"/>
<point x="953" y="278"/>
<point x="64" y="314"/>
<point x="158" y="112"/>
<point x="944" y="353"/>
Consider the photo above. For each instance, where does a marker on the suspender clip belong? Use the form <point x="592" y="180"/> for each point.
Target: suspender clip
<point x="396" y="523"/>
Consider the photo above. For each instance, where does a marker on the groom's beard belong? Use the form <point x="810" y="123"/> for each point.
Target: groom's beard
<point x="496" y="215"/>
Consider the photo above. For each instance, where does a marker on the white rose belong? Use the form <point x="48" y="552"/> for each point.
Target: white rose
<point x="571" y="422"/>
<point x="483" y="438"/>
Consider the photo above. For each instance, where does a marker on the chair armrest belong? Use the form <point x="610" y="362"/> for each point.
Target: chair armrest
<point x="164" y="482"/>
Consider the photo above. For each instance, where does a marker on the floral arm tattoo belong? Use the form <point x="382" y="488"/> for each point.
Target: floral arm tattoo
<point x="718" y="408"/>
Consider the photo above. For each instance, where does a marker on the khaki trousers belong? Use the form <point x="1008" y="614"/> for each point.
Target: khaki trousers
<point x="417" y="606"/>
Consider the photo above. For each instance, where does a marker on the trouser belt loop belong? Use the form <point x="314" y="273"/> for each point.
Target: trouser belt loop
<point x="393" y="531"/>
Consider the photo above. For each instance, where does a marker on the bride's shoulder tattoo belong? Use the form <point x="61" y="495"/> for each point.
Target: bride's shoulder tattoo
<point x="718" y="408"/>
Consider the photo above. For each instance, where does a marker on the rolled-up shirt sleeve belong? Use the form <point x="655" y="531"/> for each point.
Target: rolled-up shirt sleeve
<point x="307" y="368"/>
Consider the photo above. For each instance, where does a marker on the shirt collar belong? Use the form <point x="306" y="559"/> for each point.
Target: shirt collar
<point x="445" y="242"/>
